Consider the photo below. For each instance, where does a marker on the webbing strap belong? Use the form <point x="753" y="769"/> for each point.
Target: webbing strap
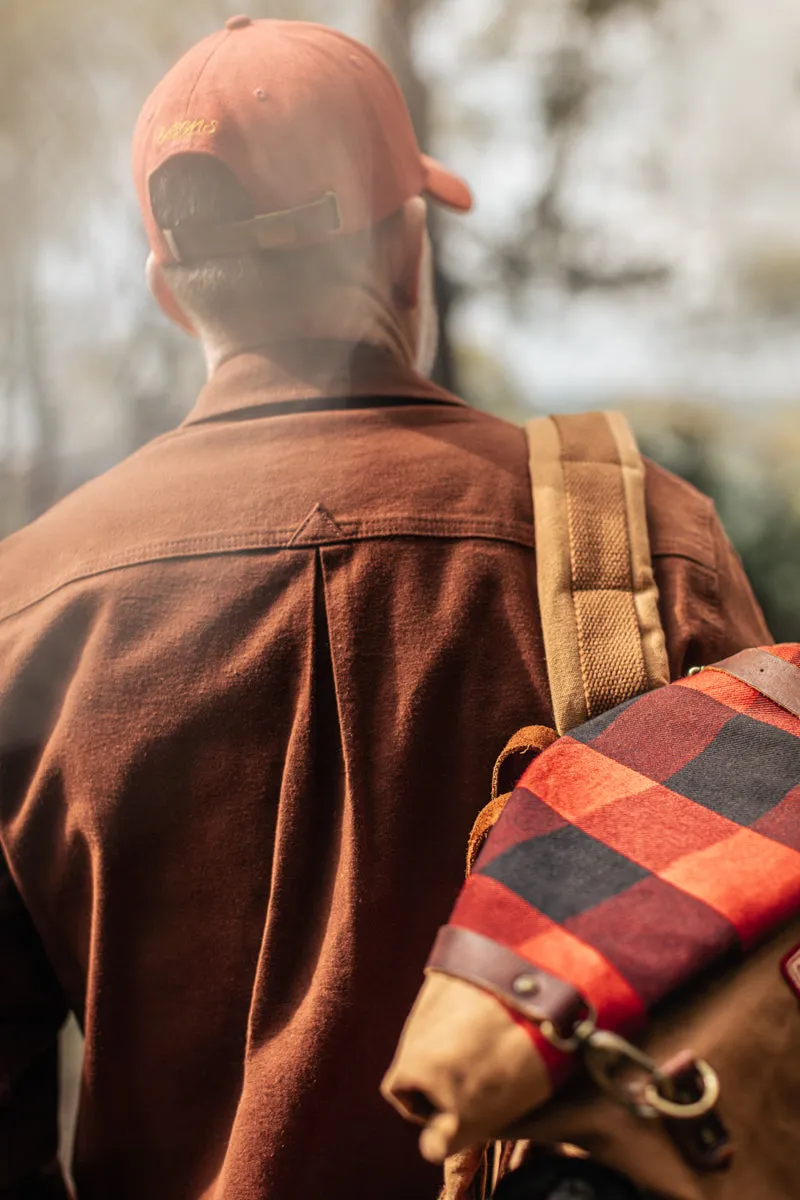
<point x="597" y="593"/>
<point x="310" y="223"/>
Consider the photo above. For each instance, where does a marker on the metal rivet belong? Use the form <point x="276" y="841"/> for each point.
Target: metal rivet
<point x="526" y="985"/>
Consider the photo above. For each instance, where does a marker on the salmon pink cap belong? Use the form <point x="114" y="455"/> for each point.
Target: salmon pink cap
<point x="311" y="123"/>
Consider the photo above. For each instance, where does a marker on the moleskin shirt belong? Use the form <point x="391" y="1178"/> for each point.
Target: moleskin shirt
<point x="254" y="680"/>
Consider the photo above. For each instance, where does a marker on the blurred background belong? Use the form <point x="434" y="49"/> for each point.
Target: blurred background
<point x="636" y="240"/>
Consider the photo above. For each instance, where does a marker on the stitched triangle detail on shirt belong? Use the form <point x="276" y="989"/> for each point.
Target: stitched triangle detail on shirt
<point x="318" y="526"/>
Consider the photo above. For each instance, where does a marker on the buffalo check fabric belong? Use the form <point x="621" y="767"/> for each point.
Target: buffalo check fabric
<point x="647" y="844"/>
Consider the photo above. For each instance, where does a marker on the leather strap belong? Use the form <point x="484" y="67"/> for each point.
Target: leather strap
<point x="705" y="1141"/>
<point x="518" y="753"/>
<point x="773" y="677"/>
<point x="527" y="989"/>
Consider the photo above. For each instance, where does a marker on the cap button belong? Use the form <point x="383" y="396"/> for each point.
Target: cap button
<point x="238" y="22"/>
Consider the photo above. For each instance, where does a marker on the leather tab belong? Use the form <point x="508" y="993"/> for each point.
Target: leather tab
<point x="773" y="677"/>
<point x="518" y="754"/>
<point x="790" y="969"/>
<point x="704" y="1142"/>
<point x="527" y="989"/>
<point x="484" y="824"/>
<point x="515" y="759"/>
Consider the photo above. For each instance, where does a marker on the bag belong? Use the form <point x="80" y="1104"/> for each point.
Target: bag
<point x="604" y="645"/>
<point x="556" y="1177"/>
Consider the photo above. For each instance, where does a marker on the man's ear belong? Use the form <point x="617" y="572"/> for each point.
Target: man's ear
<point x="162" y="292"/>
<point x="406" y="253"/>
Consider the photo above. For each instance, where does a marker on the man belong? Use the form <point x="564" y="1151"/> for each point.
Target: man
<point x="255" y="678"/>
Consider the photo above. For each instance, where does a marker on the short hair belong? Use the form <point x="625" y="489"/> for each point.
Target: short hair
<point x="219" y="292"/>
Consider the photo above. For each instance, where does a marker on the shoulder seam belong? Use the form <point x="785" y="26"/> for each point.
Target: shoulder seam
<point x="472" y="528"/>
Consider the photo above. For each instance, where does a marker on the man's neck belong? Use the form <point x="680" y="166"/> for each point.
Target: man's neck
<point x="314" y="359"/>
<point x="340" y="314"/>
<point x="305" y="370"/>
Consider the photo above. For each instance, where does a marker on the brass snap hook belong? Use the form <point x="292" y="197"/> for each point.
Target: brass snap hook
<point x="581" y="1034"/>
<point x="605" y="1055"/>
<point x="688" y="1111"/>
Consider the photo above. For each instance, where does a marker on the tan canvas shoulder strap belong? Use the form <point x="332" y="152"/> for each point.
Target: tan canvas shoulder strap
<point x="597" y="594"/>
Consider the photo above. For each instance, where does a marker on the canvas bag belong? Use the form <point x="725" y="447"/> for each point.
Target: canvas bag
<point x="745" y="1021"/>
<point x="604" y="644"/>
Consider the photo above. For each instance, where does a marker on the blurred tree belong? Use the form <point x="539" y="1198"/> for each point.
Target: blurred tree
<point x="753" y="483"/>
<point x="597" y="9"/>
<point x="392" y="37"/>
<point x="488" y="385"/>
<point x="54" y="61"/>
<point x="72" y="78"/>
<point x="768" y="276"/>
<point x="24" y="382"/>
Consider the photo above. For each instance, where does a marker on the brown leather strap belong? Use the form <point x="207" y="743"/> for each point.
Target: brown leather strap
<point x="527" y="989"/>
<point x="704" y="1141"/>
<point x="771" y="676"/>
<point x="517" y="754"/>
<point x="485" y="822"/>
<point x="514" y="760"/>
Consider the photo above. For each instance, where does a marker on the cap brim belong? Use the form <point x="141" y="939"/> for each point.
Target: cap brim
<point x="444" y="187"/>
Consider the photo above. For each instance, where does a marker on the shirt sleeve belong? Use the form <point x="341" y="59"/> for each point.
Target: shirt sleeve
<point x="707" y="605"/>
<point x="32" y="1011"/>
<point x="741" y="622"/>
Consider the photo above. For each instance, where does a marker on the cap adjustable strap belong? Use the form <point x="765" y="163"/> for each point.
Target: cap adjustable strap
<point x="199" y="241"/>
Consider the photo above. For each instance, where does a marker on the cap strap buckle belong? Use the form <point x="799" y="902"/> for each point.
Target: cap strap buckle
<point x="307" y="224"/>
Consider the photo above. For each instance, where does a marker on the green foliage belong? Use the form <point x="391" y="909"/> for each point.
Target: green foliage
<point x="768" y="275"/>
<point x="485" y="383"/>
<point x="753" y="484"/>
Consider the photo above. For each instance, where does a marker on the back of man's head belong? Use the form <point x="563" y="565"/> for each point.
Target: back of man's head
<point x="280" y="180"/>
<point x="333" y="290"/>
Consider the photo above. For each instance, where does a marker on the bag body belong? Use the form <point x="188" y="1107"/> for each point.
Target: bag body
<point x="745" y="1021"/>
<point x="662" y="879"/>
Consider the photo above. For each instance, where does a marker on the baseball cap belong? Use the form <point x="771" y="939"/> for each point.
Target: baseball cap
<point x="310" y="122"/>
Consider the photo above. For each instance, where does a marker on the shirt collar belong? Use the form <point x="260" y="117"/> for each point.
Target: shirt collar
<point x="307" y="371"/>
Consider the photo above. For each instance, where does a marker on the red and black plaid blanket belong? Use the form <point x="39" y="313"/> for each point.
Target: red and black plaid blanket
<point x="647" y="844"/>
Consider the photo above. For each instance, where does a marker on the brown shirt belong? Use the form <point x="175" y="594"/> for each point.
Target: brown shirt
<point x="254" y="680"/>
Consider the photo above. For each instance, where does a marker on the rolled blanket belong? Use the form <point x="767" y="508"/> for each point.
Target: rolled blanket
<point x="648" y="844"/>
